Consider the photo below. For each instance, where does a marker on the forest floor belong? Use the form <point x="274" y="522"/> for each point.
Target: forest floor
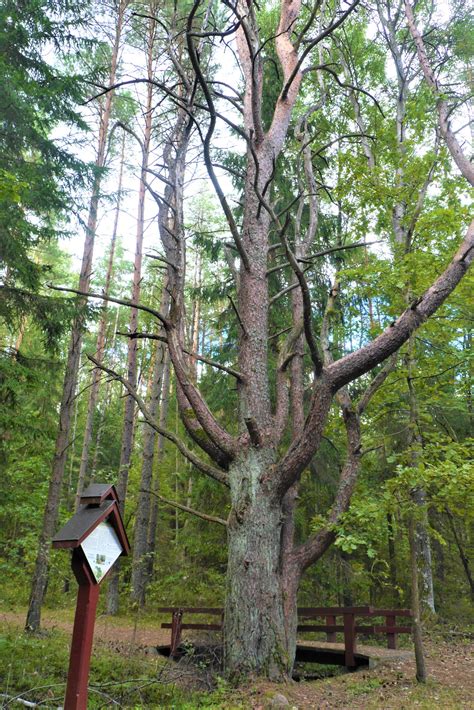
<point x="125" y="674"/>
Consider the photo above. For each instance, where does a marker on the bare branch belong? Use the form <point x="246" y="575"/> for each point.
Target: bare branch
<point x="312" y="43"/>
<point x="316" y="255"/>
<point x="355" y="364"/>
<point x="211" y="471"/>
<point x="186" y="509"/>
<point x="111" y="299"/>
<point x="307" y="319"/>
<point x="234" y="308"/>
<point x="196" y="356"/>
<point x="207" y="140"/>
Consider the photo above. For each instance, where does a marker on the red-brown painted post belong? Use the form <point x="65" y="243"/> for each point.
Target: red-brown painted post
<point x="82" y="637"/>
<point x="99" y="505"/>
<point x="391" y="637"/>
<point x="349" y="639"/>
<point x="331" y="635"/>
<point x="176" y="631"/>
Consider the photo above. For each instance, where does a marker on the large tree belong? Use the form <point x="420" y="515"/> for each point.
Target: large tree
<point x="283" y="401"/>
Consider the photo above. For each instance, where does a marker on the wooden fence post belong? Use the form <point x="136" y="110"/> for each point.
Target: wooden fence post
<point x="349" y="639"/>
<point x="331" y="621"/>
<point x="176" y="631"/>
<point x="391" y="637"/>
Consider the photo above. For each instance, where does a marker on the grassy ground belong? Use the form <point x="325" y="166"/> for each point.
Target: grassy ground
<point x="125" y="674"/>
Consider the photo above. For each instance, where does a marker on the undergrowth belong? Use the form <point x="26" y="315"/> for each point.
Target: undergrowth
<point x="34" y="668"/>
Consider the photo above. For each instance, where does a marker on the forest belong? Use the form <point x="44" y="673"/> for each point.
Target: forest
<point x="235" y="242"/>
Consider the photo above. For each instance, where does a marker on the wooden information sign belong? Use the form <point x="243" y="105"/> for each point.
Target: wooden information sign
<point x="97" y="538"/>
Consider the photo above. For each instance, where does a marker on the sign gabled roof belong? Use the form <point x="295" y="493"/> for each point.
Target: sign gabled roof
<point x="87" y="518"/>
<point x="96" y="493"/>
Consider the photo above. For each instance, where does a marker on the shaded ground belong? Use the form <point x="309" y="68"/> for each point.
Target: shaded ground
<point x="390" y="686"/>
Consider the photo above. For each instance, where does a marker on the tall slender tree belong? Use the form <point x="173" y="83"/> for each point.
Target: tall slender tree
<point x="51" y="512"/>
<point x="100" y="342"/>
<point x="132" y="369"/>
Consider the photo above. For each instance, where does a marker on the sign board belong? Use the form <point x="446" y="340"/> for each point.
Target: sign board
<point x="97" y="538"/>
<point x="102" y="548"/>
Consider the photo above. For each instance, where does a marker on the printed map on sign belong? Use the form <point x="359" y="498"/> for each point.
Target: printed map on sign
<point x="101" y="549"/>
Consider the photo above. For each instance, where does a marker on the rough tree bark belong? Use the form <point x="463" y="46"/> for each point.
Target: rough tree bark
<point x="40" y="575"/>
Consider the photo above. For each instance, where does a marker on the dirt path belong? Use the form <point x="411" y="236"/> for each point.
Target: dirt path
<point x="108" y="630"/>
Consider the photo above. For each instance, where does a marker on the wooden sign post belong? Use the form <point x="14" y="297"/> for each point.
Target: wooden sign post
<point x="97" y="538"/>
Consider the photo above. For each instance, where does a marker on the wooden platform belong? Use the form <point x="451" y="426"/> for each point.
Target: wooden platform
<point x="334" y="654"/>
<point x="319" y="652"/>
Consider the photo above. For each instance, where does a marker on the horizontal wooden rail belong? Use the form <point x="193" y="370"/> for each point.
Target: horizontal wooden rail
<point x="201" y="627"/>
<point x="191" y="610"/>
<point x="334" y="628"/>
<point x="392" y="629"/>
<point x="392" y="612"/>
<point x="337" y="610"/>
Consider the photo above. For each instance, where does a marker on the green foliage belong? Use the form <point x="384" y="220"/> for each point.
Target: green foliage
<point x="38" y="174"/>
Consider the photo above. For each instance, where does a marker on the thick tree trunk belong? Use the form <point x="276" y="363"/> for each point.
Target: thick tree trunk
<point x="256" y="640"/>
<point x="40" y="574"/>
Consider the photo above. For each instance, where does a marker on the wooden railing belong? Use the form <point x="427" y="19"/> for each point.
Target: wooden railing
<point x="349" y="627"/>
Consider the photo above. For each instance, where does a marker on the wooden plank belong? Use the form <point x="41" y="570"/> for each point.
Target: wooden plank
<point x="393" y="629"/>
<point x="365" y="629"/>
<point x="203" y="627"/>
<point x="338" y="610"/>
<point x="213" y="611"/>
<point x="334" y="628"/>
<point x="325" y="628"/>
<point x="392" y="612"/>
